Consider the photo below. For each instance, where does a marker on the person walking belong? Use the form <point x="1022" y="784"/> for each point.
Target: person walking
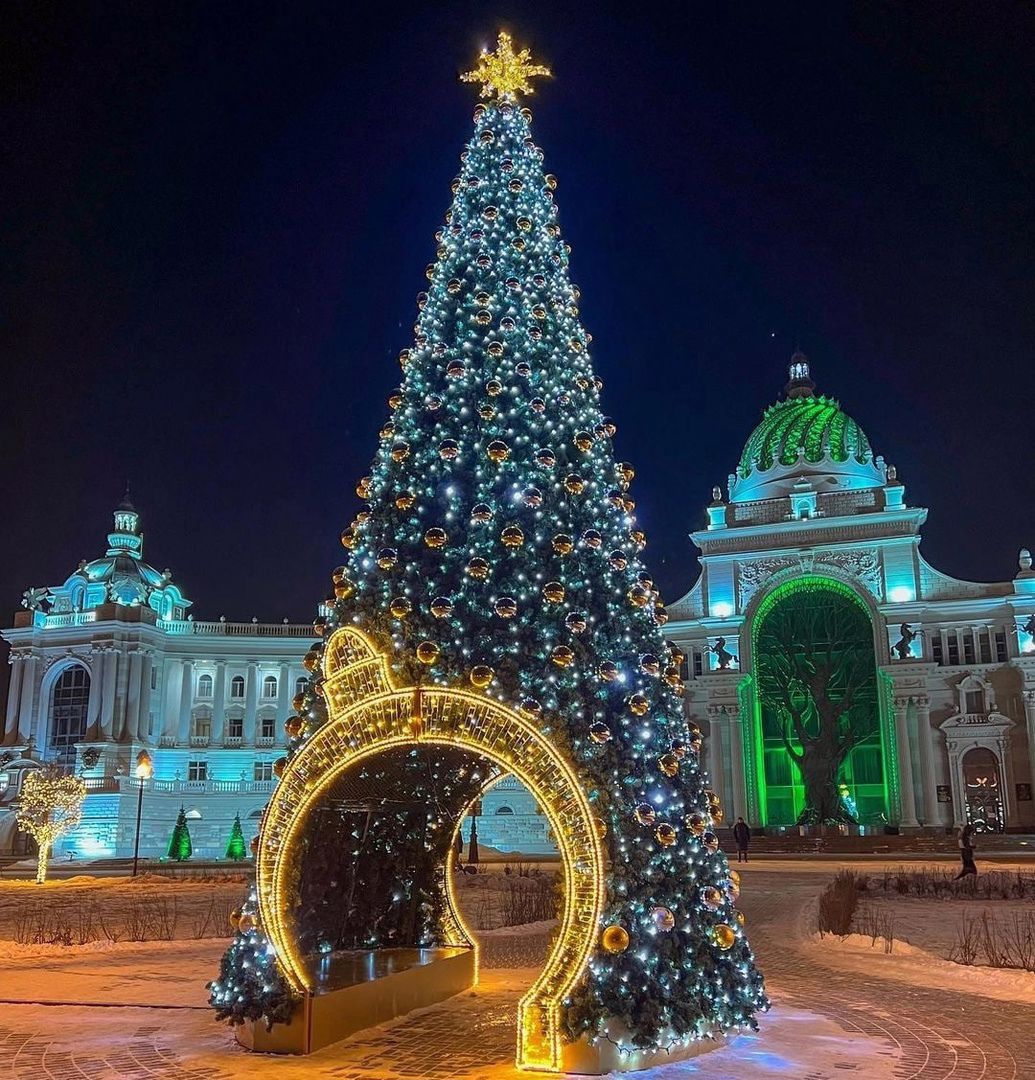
<point x="742" y="836"/>
<point x="965" y="839"/>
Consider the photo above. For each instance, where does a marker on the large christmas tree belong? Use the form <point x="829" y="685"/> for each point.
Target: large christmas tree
<point x="498" y="549"/>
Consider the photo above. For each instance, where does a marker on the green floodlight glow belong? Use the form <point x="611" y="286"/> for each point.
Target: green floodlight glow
<point x="776" y="791"/>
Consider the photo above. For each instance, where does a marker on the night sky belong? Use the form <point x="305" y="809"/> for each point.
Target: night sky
<point x="216" y="217"/>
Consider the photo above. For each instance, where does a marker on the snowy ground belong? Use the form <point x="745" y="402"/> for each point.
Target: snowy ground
<point x="138" y="1009"/>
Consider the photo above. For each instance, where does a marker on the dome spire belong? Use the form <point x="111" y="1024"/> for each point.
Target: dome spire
<point x="799" y="383"/>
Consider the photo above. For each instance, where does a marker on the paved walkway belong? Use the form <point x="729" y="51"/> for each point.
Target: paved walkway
<point x="827" y="1024"/>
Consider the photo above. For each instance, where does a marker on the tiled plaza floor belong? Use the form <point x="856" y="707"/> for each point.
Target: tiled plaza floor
<point x="826" y="1024"/>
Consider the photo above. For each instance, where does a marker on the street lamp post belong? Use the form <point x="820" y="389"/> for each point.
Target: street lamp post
<point x="144" y="771"/>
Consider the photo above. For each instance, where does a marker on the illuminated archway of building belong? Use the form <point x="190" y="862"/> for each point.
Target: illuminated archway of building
<point x="372" y="719"/>
<point x="868" y="775"/>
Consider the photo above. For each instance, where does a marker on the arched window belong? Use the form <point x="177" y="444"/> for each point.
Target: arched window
<point x="205" y="686"/>
<point x="193" y="814"/>
<point x="269" y="686"/>
<point x="68" y="705"/>
<point x="300" y="685"/>
<point x="237" y="686"/>
<point x="504" y="810"/>
<point x="256" y="813"/>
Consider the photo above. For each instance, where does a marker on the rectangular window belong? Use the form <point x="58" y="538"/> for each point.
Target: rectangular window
<point x="698" y="662"/>
<point x="936" y="648"/>
<point x="154" y="678"/>
<point x="269" y="727"/>
<point x="202" y="728"/>
<point x="1000" y="646"/>
<point x="150" y="724"/>
<point x="975" y="701"/>
<point x="263" y="770"/>
<point x="968" y="648"/>
<point x="985" y="645"/>
<point x="954" y="649"/>
<point x="197" y="770"/>
<point x="235" y="727"/>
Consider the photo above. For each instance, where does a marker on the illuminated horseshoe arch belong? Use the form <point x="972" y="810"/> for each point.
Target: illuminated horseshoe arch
<point x="368" y="716"/>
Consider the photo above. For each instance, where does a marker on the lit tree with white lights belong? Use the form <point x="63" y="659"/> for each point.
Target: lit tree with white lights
<point x="498" y="549"/>
<point x="51" y="805"/>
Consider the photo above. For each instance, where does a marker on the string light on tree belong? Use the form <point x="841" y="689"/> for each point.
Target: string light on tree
<point x="51" y="805"/>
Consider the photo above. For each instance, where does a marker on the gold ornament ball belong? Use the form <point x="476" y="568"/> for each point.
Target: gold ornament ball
<point x="512" y="536"/>
<point x="253" y="845"/>
<point x="638" y="596"/>
<point x="494" y="388"/>
<point x="530" y="708"/>
<point x="600" y="825"/>
<point x="553" y="591"/>
<point x="669" y="764"/>
<point x="711" y="897"/>
<point x="562" y="656"/>
<point x="293" y="726"/>
<point x="711" y="842"/>
<point x="562" y="544"/>
<point x="405" y="499"/>
<point x="427" y="652"/>
<point x="279" y="766"/>
<point x="506" y="607"/>
<point x="583" y="441"/>
<point x="576" y="622"/>
<point x="599" y="732"/>
<point x="348" y="539"/>
<point x="638" y="704"/>
<point x="650" y="664"/>
<point x="665" y="834"/>
<point x="246" y="923"/>
<point x="663" y="919"/>
<point x="400" y="451"/>
<point x="235" y="919"/>
<point x="481" y="675"/>
<point x="435" y="537"/>
<point x="497" y="451"/>
<point x="724" y="936"/>
<point x="617" y="560"/>
<point x="608" y="671"/>
<point x="400" y="607"/>
<point x="734" y="876"/>
<point x="698" y="823"/>
<point x="478" y="568"/>
<point x="387" y="558"/>
<point x="545" y="458"/>
<point x="481" y="512"/>
<point x="740" y="917"/>
<point x="573" y="484"/>
<point x="644" y="814"/>
<point x="615" y="938"/>
<point x="441" y="607"/>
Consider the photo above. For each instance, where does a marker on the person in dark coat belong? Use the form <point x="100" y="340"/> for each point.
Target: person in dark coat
<point x="742" y="836"/>
<point x="966" y="842"/>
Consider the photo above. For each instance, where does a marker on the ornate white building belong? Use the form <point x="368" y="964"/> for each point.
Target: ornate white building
<point x="811" y="509"/>
<point x="110" y="665"/>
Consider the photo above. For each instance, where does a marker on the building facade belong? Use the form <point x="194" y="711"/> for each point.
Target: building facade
<point x="109" y="666"/>
<point x="812" y="544"/>
<point x="815" y="542"/>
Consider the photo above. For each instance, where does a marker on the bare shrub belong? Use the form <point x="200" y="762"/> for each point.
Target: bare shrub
<point x="837" y="905"/>
<point x="965" y="948"/>
<point x="212" y="920"/>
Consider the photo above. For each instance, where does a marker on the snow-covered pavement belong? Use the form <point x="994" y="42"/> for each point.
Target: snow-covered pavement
<point x="837" y="1013"/>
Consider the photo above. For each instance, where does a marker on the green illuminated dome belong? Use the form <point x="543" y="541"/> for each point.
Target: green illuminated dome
<point x="804" y="435"/>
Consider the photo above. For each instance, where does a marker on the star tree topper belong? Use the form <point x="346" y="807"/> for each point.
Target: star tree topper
<point x="505" y="73"/>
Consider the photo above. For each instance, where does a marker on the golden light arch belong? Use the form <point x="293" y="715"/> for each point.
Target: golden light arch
<point x="369" y="715"/>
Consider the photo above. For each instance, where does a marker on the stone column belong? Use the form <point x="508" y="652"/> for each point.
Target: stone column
<point x="219" y="705"/>
<point x="716" y="757"/>
<point x="110" y="667"/>
<point x="186" y="698"/>
<point x="131" y="716"/>
<point x="251" y="694"/>
<point x="1029" y="716"/>
<point x="94" y="704"/>
<point x="929" y="760"/>
<point x="283" y="697"/>
<point x="27" y="700"/>
<point x="907" y="794"/>
<point x="13" y="692"/>
<point x="168" y="727"/>
<point x="144" y="709"/>
<point x="738" y="799"/>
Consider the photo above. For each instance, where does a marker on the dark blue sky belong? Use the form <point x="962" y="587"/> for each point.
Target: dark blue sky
<point x="216" y="218"/>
